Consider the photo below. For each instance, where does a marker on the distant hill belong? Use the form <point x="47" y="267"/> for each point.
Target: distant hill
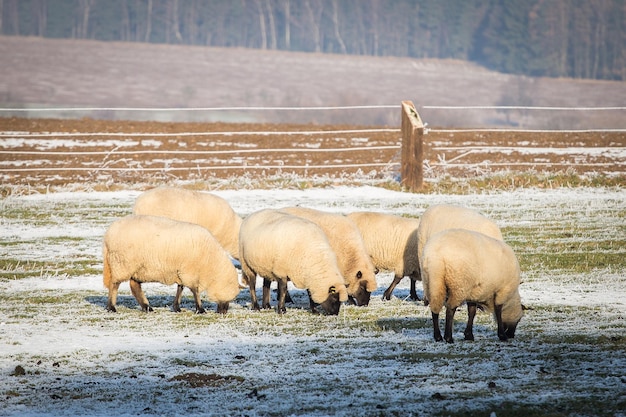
<point x="38" y="72"/>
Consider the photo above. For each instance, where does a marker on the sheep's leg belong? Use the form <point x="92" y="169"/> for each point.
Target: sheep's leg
<point x="135" y="288"/>
<point x="113" y="297"/>
<point x="198" y="301"/>
<point x="436" y="330"/>
<point x="471" y="313"/>
<point x="282" y="291"/>
<point x="447" y="334"/>
<point x="501" y="330"/>
<point x="252" y="286"/>
<point x="266" y="293"/>
<point x="413" y="293"/>
<point x="177" y="298"/>
<point x="392" y="286"/>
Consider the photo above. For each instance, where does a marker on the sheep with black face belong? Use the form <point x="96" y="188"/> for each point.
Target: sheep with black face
<point x="459" y="266"/>
<point x="157" y="249"/>
<point x="352" y="258"/>
<point x="279" y="247"/>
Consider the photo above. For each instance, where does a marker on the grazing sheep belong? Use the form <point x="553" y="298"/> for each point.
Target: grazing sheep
<point x="157" y="249"/>
<point x="352" y="258"/>
<point x="208" y="210"/>
<point x="441" y="217"/>
<point x="460" y="265"/>
<point x="280" y="247"/>
<point x="391" y="242"/>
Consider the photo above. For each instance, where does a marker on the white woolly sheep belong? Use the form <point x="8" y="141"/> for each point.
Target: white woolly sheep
<point x="352" y="258"/>
<point x="280" y="247"/>
<point x="208" y="210"/>
<point x="460" y="265"/>
<point x="391" y="242"/>
<point x="157" y="249"/>
<point x="441" y="217"/>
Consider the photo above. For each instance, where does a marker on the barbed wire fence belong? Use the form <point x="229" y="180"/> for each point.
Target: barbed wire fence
<point x="6" y="153"/>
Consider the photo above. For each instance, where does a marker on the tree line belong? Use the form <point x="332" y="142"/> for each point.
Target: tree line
<point x="554" y="38"/>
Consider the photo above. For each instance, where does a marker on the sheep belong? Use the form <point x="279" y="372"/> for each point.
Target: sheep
<point x="345" y="238"/>
<point x="391" y="242"/>
<point x="280" y="247"/>
<point x="441" y="217"/>
<point x="461" y="265"/>
<point x="208" y="210"/>
<point x="140" y="248"/>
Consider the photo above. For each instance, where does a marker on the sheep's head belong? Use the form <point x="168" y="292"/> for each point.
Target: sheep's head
<point x="359" y="292"/>
<point x="512" y="313"/>
<point x="222" y="308"/>
<point x="332" y="303"/>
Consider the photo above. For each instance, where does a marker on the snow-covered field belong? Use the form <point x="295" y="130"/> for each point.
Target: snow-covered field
<point x="61" y="353"/>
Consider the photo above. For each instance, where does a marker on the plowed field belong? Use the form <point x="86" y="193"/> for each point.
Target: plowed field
<point x="59" y="152"/>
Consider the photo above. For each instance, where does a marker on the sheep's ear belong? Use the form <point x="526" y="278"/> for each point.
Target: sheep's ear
<point x="332" y="290"/>
<point x="359" y="275"/>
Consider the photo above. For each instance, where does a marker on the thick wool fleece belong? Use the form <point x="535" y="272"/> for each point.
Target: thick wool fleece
<point x="461" y="265"/>
<point x="391" y="241"/>
<point x="347" y="243"/>
<point x="208" y="210"/>
<point x="280" y="246"/>
<point x="158" y="249"/>
<point x="441" y="217"/>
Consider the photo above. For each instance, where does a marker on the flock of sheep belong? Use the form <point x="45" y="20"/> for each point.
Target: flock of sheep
<point x="189" y="238"/>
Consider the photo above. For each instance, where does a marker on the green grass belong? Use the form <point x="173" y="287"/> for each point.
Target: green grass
<point x="566" y="357"/>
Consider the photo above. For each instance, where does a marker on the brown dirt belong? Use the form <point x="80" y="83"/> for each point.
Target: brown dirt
<point x="458" y="154"/>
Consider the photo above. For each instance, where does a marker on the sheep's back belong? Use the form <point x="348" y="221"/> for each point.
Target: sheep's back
<point x="471" y="265"/>
<point x="346" y="241"/>
<point x="390" y="240"/>
<point x="441" y="217"/>
<point x="207" y="210"/>
<point x="146" y="247"/>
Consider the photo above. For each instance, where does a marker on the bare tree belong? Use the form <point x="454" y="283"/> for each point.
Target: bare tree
<point x="148" y="22"/>
<point x="287" y="24"/>
<point x="272" y="23"/>
<point x="125" y="34"/>
<point x="262" y="29"/>
<point x="82" y="31"/>
<point x="315" y="18"/>
<point x="342" y="45"/>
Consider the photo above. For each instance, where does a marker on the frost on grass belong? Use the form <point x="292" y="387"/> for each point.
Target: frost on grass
<point x="61" y="353"/>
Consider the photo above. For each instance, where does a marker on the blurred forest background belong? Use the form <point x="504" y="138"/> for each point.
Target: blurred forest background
<point x="538" y="38"/>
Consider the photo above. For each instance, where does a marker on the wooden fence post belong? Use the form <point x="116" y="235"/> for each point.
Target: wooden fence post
<point x="412" y="168"/>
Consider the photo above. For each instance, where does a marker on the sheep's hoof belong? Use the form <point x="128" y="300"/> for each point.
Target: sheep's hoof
<point x="111" y="308"/>
<point x="200" y="310"/>
<point x="503" y="337"/>
<point x="176" y="309"/>
<point x="415" y="297"/>
<point x="267" y="306"/>
<point x="449" y="340"/>
<point x="281" y="310"/>
<point x="222" y="308"/>
<point x="469" y="336"/>
<point x="146" y="309"/>
<point x="438" y="338"/>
